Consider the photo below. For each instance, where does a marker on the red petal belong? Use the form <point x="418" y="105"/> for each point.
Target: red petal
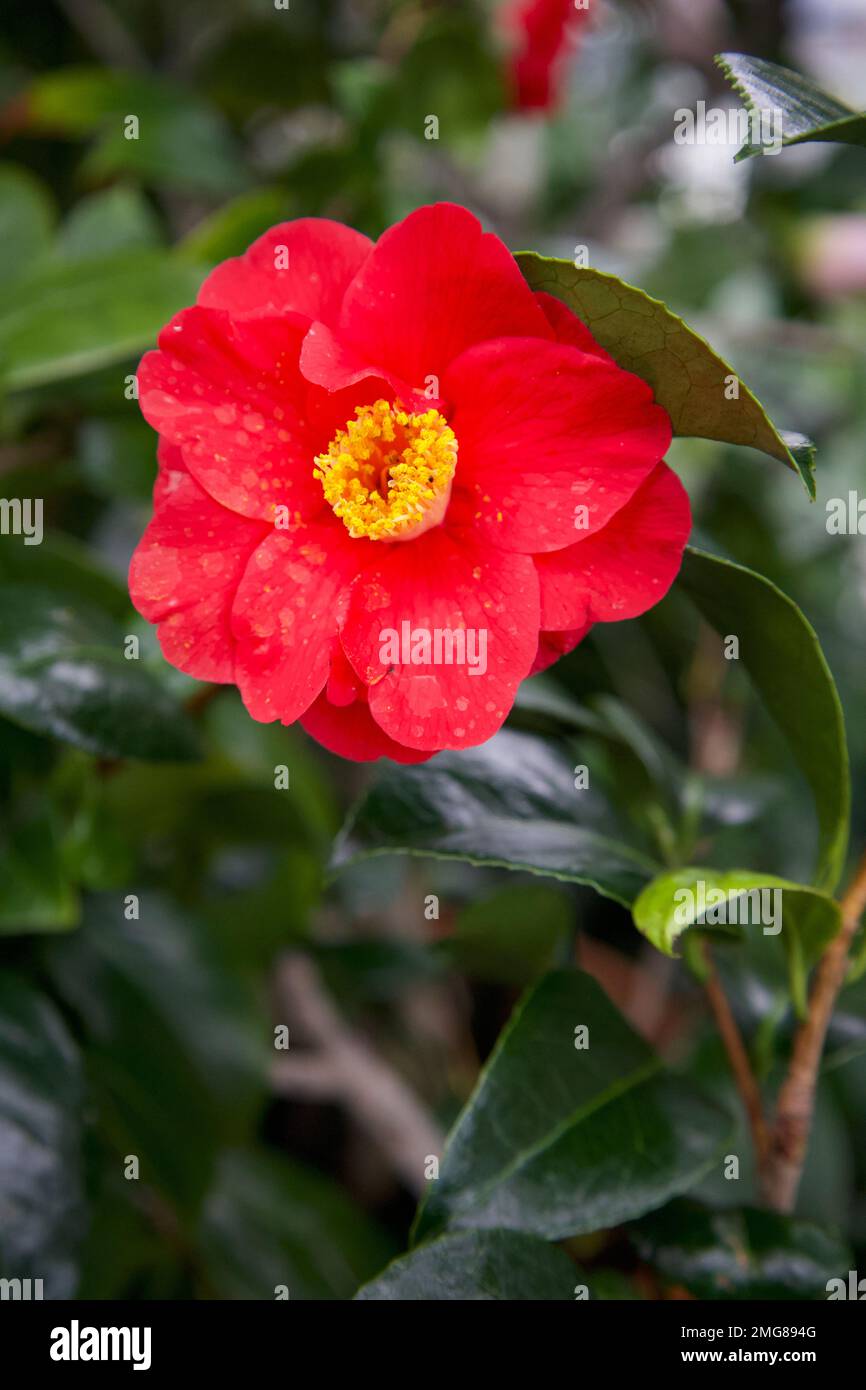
<point x="433" y="285"/>
<point x="344" y="687"/>
<point x="322" y="256"/>
<point x="170" y="460"/>
<point x="543" y="429"/>
<point x="625" y="569"/>
<point x="443" y="581"/>
<point x="328" y="362"/>
<point x="230" y="395"/>
<point x="352" y="732"/>
<point x="285" y="616"/>
<point x="186" y="569"/>
<point x="567" y="327"/>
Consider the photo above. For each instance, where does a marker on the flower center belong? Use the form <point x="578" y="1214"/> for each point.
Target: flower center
<point x="388" y="474"/>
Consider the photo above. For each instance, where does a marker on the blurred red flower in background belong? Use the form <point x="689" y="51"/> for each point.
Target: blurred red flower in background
<point x="543" y="33"/>
<point x="359" y="440"/>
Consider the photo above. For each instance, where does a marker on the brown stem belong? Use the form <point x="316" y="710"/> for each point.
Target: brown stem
<point x="789" y="1138"/>
<point x="738" y="1058"/>
<point x="715" y="749"/>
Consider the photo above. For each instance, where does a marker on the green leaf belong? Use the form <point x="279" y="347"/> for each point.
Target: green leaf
<point x="782" y="654"/>
<point x="630" y="765"/>
<point x="360" y="972"/>
<point x="662" y="916"/>
<point x="126" y="1253"/>
<point x="41" y="1102"/>
<point x="659" y="788"/>
<point x="175" y="1043"/>
<point x="98" y="851"/>
<point x="116" y="458"/>
<point x="607" y="718"/>
<point x="63" y="673"/>
<point x="186" y="145"/>
<point x="69" y="318"/>
<point x="232" y="228"/>
<point x="557" y="1139"/>
<point x="451" y="69"/>
<point x="254" y="66"/>
<point x="477" y="1266"/>
<point x="689" y="380"/>
<point x="510" y="803"/>
<point x="740" y="1254"/>
<point x="808" y="113"/>
<point x="115" y="219"/>
<point x="269" y="1222"/>
<point x="26" y="221"/>
<point x="67" y="566"/>
<point x="511" y="936"/>
<point x="180" y="140"/>
<point x="689" y="897"/>
<point x="36" y="892"/>
<point x="76" y="100"/>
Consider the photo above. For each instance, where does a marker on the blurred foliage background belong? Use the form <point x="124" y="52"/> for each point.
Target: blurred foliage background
<point x="162" y="907"/>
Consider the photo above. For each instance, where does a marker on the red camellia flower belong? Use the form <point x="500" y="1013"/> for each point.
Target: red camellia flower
<point x="393" y="482"/>
<point x="542" y="33"/>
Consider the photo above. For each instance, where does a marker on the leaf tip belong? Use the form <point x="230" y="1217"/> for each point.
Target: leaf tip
<point x="803" y="455"/>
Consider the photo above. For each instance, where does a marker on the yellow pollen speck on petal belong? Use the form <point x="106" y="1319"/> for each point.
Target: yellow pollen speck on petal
<point x="388" y="474"/>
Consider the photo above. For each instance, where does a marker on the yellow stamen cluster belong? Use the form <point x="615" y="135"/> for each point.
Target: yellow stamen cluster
<point x="388" y="474"/>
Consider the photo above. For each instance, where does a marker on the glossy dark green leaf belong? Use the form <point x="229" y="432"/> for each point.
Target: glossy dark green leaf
<point x="68" y="318"/>
<point x="511" y="803"/>
<point x="630" y="765"/>
<point x="782" y="654"/>
<point x="41" y="1107"/>
<point x="742" y="1253"/>
<point x="689" y="379"/>
<point x="272" y="1229"/>
<point x="804" y="110"/>
<point x="560" y="1139"/>
<point x="644" y="768"/>
<point x="606" y="718"/>
<point x="63" y="673"/>
<point x="477" y="1266"/>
